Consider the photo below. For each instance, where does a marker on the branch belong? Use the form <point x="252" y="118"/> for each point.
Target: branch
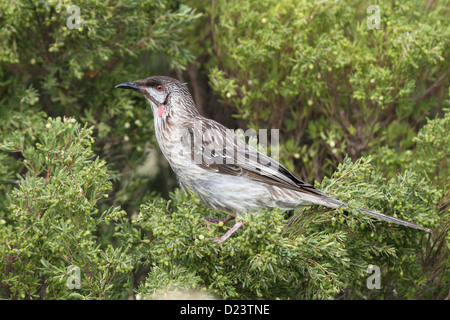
<point x="434" y="86"/>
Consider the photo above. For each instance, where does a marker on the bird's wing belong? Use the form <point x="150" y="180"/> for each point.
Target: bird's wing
<point x="219" y="149"/>
<point x="216" y="148"/>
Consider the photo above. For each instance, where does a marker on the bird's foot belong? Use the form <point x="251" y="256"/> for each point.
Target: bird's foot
<point x="224" y="220"/>
<point x="208" y="221"/>
<point x="228" y="233"/>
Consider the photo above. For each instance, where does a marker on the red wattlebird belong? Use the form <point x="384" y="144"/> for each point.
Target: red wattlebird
<point x="224" y="172"/>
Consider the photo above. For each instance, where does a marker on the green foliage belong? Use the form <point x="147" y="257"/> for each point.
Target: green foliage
<point x="55" y="212"/>
<point x="313" y="255"/>
<point x="429" y="154"/>
<point x="328" y="82"/>
<point x="359" y="109"/>
<point x="73" y="71"/>
<point x="180" y="238"/>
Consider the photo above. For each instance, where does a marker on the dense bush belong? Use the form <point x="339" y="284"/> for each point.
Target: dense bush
<point x="328" y="82"/>
<point x="83" y="191"/>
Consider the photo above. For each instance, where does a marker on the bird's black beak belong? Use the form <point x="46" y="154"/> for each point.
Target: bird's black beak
<point x="129" y="85"/>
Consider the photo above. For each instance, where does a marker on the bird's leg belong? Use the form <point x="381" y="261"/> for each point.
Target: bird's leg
<point x="228" y="233"/>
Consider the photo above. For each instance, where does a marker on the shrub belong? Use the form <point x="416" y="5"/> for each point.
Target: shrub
<point x="328" y="82"/>
<point x="55" y="214"/>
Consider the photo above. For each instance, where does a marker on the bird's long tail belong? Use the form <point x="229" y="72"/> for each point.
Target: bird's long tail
<point x="387" y="218"/>
<point x="333" y="203"/>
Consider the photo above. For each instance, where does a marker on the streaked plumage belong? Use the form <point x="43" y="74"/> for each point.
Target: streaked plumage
<point x="225" y="172"/>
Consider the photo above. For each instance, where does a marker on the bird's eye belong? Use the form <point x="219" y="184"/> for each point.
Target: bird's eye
<point x="159" y="87"/>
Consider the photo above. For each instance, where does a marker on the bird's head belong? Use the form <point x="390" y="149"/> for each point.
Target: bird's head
<point x="165" y="95"/>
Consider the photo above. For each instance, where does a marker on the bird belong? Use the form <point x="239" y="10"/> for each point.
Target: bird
<point x="225" y="172"/>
